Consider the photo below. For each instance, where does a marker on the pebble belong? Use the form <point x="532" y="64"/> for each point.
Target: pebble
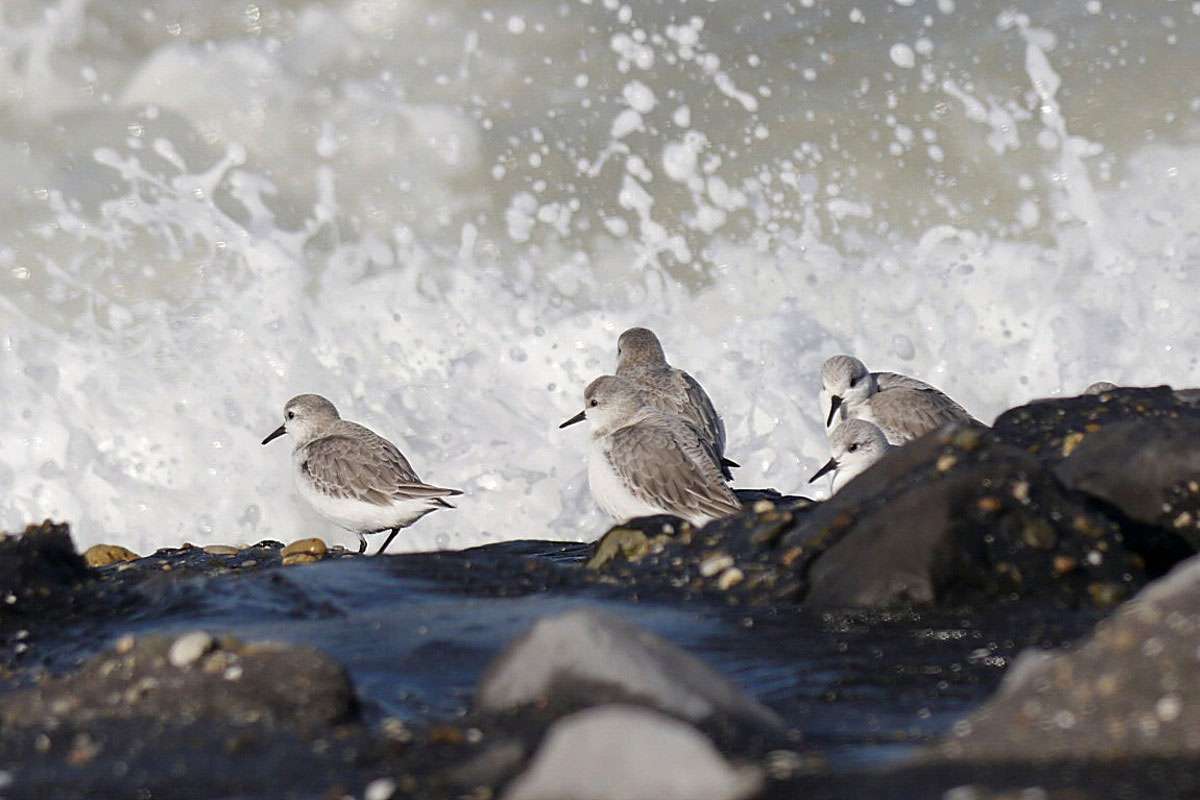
<point x="188" y="648"/>
<point x="730" y="578"/>
<point x="313" y="547"/>
<point x="101" y="555"/>
<point x="380" y="789"/>
<point x="124" y="644"/>
<point x="221" y="550"/>
<point x="715" y="563"/>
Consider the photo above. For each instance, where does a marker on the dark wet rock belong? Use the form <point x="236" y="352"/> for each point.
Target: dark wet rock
<point x="748" y="497"/>
<point x="39" y="570"/>
<point x="1131" y="690"/>
<point x="1052" y="429"/>
<point x="1147" y="471"/>
<point x="619" y="752"/>
<point x="165" y="684"/>
<point x="570" y="655"/>
<point x="955" y="517"/>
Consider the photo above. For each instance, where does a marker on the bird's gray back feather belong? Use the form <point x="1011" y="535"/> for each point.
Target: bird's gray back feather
<point x="667" y="462"/>
<point x="354" y="462"/>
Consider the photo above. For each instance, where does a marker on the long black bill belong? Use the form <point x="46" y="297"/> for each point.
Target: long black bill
<point x="834" y="405"/>
<point x="275" y="434"/>
<point x="830" y="466"/>
<point x="580" y="417"/>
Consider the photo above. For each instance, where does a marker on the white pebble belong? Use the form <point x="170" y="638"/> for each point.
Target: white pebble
<point x="188" y="648"/>
<point x="380" y="789"/>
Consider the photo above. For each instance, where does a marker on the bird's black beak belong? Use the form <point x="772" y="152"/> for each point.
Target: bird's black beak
<point x="834" y="405"/>
<point x="580" y="417"/>
<point x="830" y="466"/>
<point x="275" y="434"/>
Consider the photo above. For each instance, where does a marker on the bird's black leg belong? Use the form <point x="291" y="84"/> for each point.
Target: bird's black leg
<point x="362" y="544"/>
<point x="391" y="536"/>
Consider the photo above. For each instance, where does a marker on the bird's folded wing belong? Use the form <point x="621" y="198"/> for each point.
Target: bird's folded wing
<point x="894" y="380"/>
<point x="708" y="418"/>
<point x="673" y="469"/>
<point x="366" y="468"/>
<point x="910" y="413"/>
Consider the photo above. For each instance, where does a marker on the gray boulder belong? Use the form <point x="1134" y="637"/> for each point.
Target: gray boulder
<point x="1132" y="689"/>
<point x="569" y="655"/>
<point x="620" y="752"/>
<point x="1149" y="470"/>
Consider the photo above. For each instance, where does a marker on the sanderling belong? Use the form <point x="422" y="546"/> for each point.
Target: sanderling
<point x="903" y="407"/>
<point x="640" y="359"/>
<point x="352" y="476"/>
<point x="644" y="461"/>
<point x="854" y="446"/>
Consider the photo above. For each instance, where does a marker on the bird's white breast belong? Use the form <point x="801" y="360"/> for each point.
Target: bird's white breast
<point x="609" y="490"/>
<point x="353" y="515"/>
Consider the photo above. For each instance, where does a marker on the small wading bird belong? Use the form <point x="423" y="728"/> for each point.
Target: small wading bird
<point x="640" y="359"/>
<point x="854" y="446"/>
<point x="643" y="461"/>
<point x="350" y="475"/>
<point x="902" y="407"/>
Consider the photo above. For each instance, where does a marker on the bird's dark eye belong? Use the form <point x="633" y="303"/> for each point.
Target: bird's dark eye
<point x="594" y="403"/>
<point x="291" y="415"/>
<point x="853" y="447"/>
<point x="853" y="382"/>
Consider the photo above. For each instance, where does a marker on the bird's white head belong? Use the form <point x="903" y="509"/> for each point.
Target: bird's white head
<point x="609" y="403"/>
<point x="305" y="417"/>
<point x="854" y="447"/>
<point x="846" y="381"/>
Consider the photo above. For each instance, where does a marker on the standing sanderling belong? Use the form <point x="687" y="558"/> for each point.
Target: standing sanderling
<point x="352" y="476"/>
<point x="853" y="446"/>
<point x="640" y="359"/>
<point x="903" y="407"/>
<point x="643" y="461"/>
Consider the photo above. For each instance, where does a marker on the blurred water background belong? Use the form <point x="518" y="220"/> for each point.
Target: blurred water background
<point x="441" y="214"/>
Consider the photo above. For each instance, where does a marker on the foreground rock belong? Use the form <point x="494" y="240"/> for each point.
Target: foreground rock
<point x="569" y="656"/>
<point x="1131" y="690"/>
<point x="39" y="570"/>
<point x="619" y="752"/>
<point x="1052" y="429"/>
<point x="164" y="682"/>
<point x="1146" y="472"/>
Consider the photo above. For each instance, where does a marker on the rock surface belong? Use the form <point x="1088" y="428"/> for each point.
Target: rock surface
<point x="571" y="654"/>
<point x="165" y="682"/>
<point x="1146" y="470"/>
<point x="619" y="752"/>
<point x="39" y="570"/>
<point x="1052" y="429"/>
<point x="1132" y="689"/>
